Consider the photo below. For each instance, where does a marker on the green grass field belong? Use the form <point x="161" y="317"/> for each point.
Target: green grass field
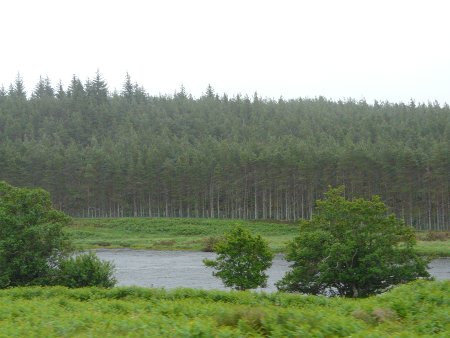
<point x="194" y="234"/>
<point x="419" y="309"/>
<point x="170" y="233"/>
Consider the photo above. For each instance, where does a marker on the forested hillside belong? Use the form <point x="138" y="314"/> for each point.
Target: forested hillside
<point x="128" y="153"/>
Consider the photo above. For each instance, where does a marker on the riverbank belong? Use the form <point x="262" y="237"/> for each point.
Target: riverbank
<point x="197" y="234"/>
<point x="416" y="309"/>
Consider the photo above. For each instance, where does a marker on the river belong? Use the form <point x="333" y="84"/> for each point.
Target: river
<point x="171" y="269"/>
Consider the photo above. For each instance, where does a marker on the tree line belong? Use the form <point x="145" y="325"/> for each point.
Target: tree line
<point x="104" y="153"/>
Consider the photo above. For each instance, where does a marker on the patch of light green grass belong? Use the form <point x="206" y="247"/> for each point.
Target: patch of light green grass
<point x="191" y="234"/>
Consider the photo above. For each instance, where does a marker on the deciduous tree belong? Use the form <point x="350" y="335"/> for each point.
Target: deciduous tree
<point x="32" y="240"/>
<point x="351" y="248"/>
<point x="34" y="249"/>
<point x="242" y="260"/>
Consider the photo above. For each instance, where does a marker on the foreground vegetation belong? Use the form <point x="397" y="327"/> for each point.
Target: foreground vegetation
<point x="200" y="234"/>
<point x="418" y="309"/>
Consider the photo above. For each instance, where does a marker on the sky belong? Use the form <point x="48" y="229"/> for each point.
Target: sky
<point x="385" y="50"/>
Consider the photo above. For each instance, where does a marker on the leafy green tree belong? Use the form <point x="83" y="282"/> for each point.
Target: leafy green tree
<point x="32" y="241"/>
<point x="34" y="249"/>
<point x="242" y="260"/>
<point x="351" y="248"/>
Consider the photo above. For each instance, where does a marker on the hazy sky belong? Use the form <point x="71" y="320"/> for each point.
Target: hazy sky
<point x="386" y="50"/>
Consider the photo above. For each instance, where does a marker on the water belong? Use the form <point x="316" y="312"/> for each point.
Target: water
<point x="171" y="269"/>
<point x="440" y="268"/>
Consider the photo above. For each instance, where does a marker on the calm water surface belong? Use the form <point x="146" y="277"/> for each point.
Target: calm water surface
<point x="171" y="269"/>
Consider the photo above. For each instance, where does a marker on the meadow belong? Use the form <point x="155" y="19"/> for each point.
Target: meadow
<point x="170" y="233"/>
<point x="200" y="234"/>
<point x="418" y="309"/>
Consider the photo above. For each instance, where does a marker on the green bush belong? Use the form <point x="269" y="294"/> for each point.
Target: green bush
<point x="209" y="243"/>
<point x="437" y="236"/>
<point x="85" y="270"/>
<point x="242" y="260"/>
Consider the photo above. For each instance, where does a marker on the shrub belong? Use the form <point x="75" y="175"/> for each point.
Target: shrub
<point x="209" y="243"/>
<point x="382" y="315"/>
<point x="169" y="242"/>
<point x="437" y="236"/>
<point x="85" y="270"/>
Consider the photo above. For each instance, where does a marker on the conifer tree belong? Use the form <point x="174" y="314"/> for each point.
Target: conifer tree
<point x="18" y="89"/>
<point x="128" y="88"/>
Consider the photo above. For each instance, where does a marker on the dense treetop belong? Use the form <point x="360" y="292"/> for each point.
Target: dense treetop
<point x="103" y="153"/>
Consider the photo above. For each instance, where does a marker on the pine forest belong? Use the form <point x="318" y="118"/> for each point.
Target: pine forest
<point x="104" y="153"/>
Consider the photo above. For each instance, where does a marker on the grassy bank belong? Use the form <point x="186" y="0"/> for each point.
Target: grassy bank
<point x="170" y="233"/>
<point x="414" y="310"/>
<point x="196" y="234"/>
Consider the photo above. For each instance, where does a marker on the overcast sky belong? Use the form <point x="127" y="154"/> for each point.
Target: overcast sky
<point x="385" y="50"/>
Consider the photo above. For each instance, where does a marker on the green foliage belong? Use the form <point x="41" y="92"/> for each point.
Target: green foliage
<point x="85" y="270"/>
<point x="32" y="240"/>
<point x="101" y="153"/>
<point x="351" y="248"/>
<point x="34" y="248"/>
<point x="242" y="260"/>
<point x="417" y="309"/>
